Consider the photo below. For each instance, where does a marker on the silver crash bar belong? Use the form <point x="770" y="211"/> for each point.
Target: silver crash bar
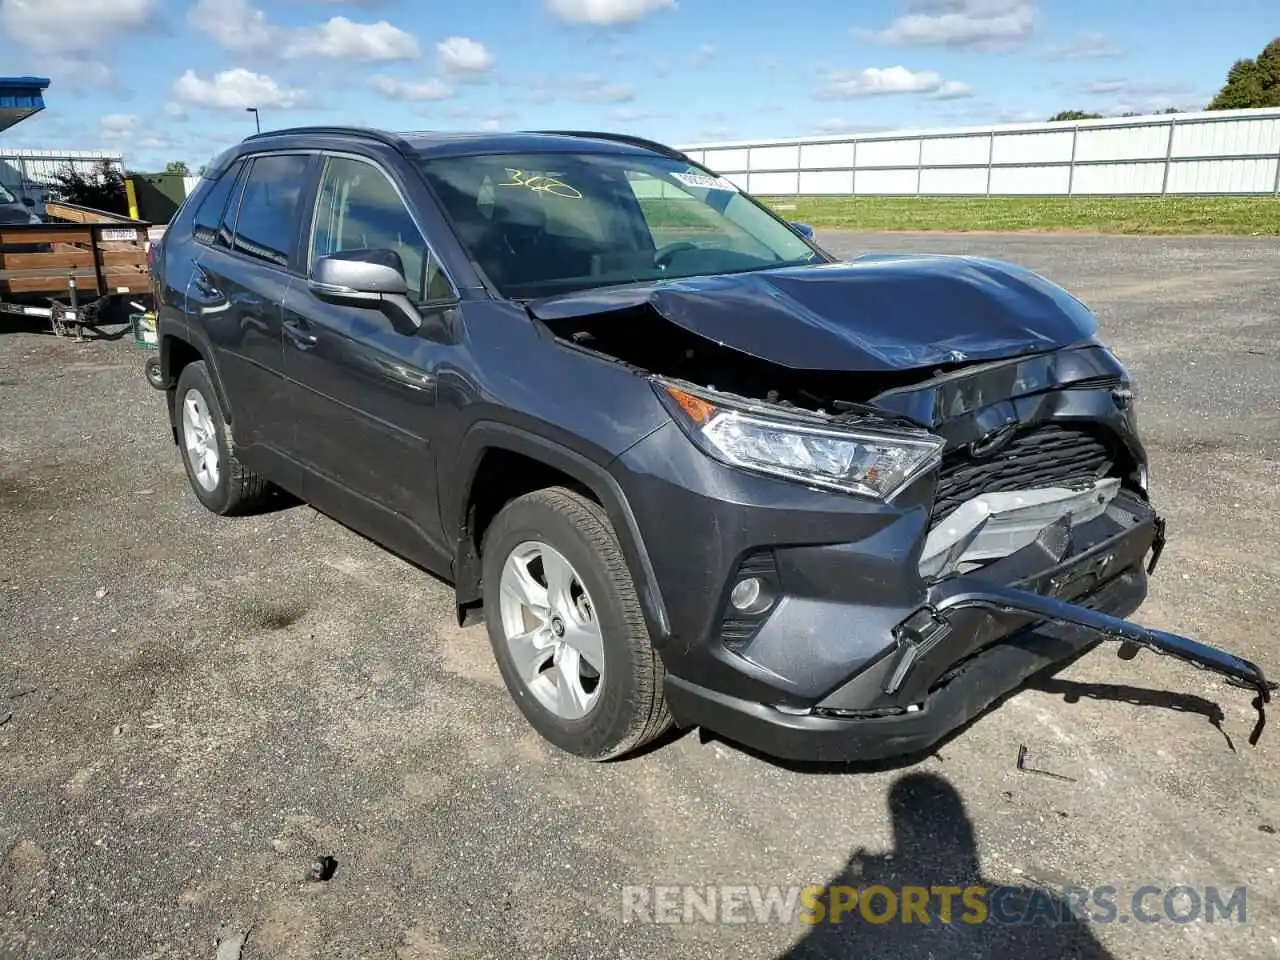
<point x="1002" y="599"/>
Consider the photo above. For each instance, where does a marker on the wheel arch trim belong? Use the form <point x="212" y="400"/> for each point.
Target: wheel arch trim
<point x="493" y="435"/>
<point x="170" y="331"/>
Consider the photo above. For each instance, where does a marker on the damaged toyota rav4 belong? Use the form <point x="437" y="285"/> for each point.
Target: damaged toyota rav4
<point x="688" y="467"/>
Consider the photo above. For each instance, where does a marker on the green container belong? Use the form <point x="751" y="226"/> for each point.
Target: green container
<point x="144" y="331"/>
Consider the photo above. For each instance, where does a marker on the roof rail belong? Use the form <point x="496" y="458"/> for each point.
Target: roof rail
<point x="653" y="145"/>
<point x="368" y="133"/>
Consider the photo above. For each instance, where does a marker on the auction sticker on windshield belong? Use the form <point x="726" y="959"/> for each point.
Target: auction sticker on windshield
<point x="703" y="182"/>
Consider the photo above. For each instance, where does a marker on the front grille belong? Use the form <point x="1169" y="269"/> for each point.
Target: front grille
<point x="1052" y="455"/>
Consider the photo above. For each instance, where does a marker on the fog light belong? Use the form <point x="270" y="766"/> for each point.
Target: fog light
<point x="749" y="595"/>
<point x="745" y="593"/>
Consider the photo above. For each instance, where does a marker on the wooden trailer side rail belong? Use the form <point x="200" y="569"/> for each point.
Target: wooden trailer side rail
<point x="74" y="213"/>
<point x="102" y="258"/>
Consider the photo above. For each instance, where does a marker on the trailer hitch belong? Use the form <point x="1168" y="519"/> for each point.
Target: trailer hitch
<point x="1002" y="599"/>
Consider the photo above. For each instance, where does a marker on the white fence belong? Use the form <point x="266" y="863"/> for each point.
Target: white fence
<point x="1220" y="152"/>
<point x="28" y="173"/>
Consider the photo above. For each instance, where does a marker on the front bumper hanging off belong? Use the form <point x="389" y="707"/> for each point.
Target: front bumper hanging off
<point x="972" y="643"/>
<point x="917" y="635"/>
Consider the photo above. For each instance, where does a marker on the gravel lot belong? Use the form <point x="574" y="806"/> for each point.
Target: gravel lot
<point x="202" y="707"/>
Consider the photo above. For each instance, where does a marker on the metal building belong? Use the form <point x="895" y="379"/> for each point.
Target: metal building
<point x="1218" y="152"/>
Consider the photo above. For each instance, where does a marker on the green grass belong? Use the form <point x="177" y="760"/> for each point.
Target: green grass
<point x="1247" y="216"/>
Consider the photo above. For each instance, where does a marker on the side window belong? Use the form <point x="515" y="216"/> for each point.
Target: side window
<point x="209" y="213"/>
<point x="359" y="209"/>
<point x="267" y="227"/>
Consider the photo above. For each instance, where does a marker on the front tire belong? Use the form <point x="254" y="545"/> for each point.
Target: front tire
<point x="566" y="626"/>
<point x="220" y="481"/>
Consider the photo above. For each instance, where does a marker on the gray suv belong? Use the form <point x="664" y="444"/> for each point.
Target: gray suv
<point x="687" y="467"/>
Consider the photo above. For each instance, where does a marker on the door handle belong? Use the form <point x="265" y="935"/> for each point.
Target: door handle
<point x="300" y="337"/>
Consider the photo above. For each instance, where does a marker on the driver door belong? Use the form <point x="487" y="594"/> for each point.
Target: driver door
<point x="364" y="378"/>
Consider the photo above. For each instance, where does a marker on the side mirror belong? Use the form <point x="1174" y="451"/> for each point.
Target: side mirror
<point x="365" y="275"/>
<point x="803" y="229"/>
<point x="364" y="278"/>
<point x="28" y="202"/>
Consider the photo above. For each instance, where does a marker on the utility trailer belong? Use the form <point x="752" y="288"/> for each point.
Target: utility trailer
<point x="70" y="270"/>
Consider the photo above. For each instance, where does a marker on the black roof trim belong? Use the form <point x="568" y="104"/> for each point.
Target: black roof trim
<point x="400" y="143"/>
<point x="653" y="145"/>
<point x="366" y="133"/>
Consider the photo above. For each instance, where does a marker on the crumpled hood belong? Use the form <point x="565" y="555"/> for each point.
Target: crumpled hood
<point x="879" y="312"/>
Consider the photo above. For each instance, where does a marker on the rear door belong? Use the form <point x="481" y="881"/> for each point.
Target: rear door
<point x="237" y="293"/>
<point x="364" y="394"/>
<point x="192" y="229"/>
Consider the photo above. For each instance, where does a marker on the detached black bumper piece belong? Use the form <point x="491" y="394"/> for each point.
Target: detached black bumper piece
<point x="1061" y="632"/>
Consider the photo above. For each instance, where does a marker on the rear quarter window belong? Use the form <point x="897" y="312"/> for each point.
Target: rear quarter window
<point x="209" y="213"/>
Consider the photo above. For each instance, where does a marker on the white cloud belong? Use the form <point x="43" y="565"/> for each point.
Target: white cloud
<point x="493" y="120"/>
<point x="344" y="39"/>
<point x="175" y="110"/>
<point x="630" y="115"/>
<point x="394" y="89"/>
<point x="976" y="24"/>
<point x="234" y="25"/>
<point x="240" y="27"/>
<point x="127" y="132"/>
<point x="606" y="12"/>
<point x="883" y="81"/>
<point x="462" y="55"/>
<point x="589" y="88"/>
<point x="1142" y="96"/>
<point x="80" y="73"/>
<point x="1133" y="88"/>
<point x="73" y="26"/>
<point x="1083" y="46"/>
<point x="952" y="90"/>
<point x="119" y="124"/>
<point x="234" y="90"/>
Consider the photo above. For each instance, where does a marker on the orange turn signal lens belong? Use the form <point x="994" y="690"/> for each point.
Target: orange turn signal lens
<point x="695" y="408"/>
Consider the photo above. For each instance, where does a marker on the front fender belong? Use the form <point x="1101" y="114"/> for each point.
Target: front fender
<point x="489" y="435"/>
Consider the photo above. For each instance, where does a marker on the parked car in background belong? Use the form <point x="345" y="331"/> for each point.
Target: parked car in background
<point x="688" y="466"/>
<point x="14" y="210"/>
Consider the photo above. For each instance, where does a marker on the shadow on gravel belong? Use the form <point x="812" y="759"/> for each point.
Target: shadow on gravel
<point x="935" y="846"/>
<point x="1074" y="692"/>
<point x="117" y="328"/>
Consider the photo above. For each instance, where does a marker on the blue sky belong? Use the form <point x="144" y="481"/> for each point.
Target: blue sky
<point x="169" y="79"/>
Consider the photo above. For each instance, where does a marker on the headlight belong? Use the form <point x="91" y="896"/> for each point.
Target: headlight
<point x="873" y="462"/>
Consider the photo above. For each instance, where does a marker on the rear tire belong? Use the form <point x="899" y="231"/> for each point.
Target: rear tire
<point x="578" y="578"/>
<point x="220" y="481"/>
<point x="154" y="373"/>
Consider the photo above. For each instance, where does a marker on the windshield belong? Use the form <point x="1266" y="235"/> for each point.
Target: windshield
<point x="545" y="224"/>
